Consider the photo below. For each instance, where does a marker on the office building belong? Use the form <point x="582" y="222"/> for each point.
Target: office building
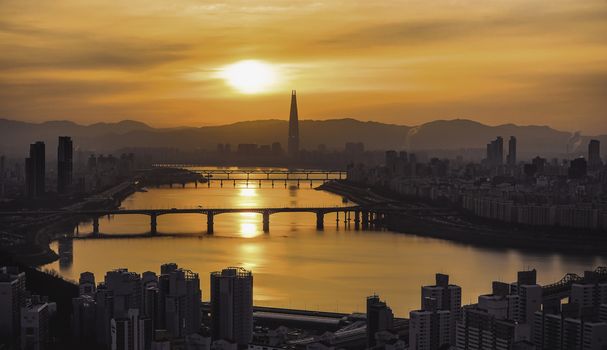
<point x="232" y="305"/>
<point x="379" y="318"/>
<point x="35" y="171"/>
<point x="64" y="164"/>
<point x="293" y="140"/>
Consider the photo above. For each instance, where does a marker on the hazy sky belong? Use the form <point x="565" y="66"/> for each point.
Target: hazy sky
<point x="404" y="62"/>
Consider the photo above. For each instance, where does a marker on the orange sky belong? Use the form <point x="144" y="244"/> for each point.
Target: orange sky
<point x="403" y="62"/>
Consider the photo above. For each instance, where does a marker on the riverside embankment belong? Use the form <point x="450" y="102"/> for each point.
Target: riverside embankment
<point x="459" y="226"/>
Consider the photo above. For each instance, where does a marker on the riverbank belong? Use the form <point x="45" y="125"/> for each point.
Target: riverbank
<point x="37" y="234"/>
<point x="462" y="228"/>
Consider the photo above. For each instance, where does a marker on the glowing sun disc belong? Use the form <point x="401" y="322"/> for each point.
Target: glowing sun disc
<point x="249" y="76"/>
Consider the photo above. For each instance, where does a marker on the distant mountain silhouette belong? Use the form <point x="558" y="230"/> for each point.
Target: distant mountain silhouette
<point x="456" y="134"/>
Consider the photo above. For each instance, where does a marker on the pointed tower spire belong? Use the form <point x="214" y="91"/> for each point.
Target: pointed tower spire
<point x="293" y="127"/>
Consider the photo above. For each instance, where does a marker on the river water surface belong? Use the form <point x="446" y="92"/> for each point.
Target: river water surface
<point x="294" y="265"/>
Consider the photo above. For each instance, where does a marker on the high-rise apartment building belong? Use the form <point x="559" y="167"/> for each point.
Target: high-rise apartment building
<point x="495" y="152"/>
<point x="232" y="305"/>
<point x="491" y="324"/>
<point x="594" y="155"/>
<point x="379" y="318"/>
<point x="12" y="298"/>
<point x="448" y="297"/>
<point x="429" y="327"/>
<point x="35" y="171"/>
<point x="64" y="164"/>
<point x="511" y="157"/>
<point x="182" y="301"/>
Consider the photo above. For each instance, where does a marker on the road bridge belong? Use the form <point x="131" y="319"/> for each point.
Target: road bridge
<point x="363" y="216"/>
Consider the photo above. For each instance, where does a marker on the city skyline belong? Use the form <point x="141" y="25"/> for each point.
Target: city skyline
<point x="404" y="63"/>
<point x="436" y="178"/>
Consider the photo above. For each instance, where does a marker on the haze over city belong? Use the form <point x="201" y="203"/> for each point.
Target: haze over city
<point x="290" y="175"/>
<point x="173" y="64"/>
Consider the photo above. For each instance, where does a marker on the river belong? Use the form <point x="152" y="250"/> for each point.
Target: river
<point x="294" y="265"/>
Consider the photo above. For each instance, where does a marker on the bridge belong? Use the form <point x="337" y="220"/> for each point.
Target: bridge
<point x="261" y="174"/>
<point x="553" y="293"/>
<point x="364" y="216"/>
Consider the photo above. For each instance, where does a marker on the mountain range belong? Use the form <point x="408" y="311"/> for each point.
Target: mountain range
<point x="443" y="135"/>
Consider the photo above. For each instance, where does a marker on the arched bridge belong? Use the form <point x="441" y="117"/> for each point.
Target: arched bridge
<point x="562" y="289"/>
<point x="363" y="215"/>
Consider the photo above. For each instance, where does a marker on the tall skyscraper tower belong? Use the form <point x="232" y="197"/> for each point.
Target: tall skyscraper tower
<point x="35" y="170"/>
<point x="64" y="164"/>
<point x="511" y="158"/>
<point x="594" y="154"/>
<point x="293" y="127"/>
<point x="232" y="305"/>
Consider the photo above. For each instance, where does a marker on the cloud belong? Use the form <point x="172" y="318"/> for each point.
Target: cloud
<point x="520" y="23"/>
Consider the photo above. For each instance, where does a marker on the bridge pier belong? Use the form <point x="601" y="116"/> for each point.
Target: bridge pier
<point x="220" y="183"/>
<point x="153" y="223"/>
<point x="259" y="183"/>
<point x="196" y="184"/>
<point x="365" y="220"/>
<point x="210" y="223"/>
<point x="96" y="225"/>
<point x="337" y="218"/>
<point x="320" y="220"/>
<point x="272" y="183"/>
<point x="356" y="220"/>
<point x="266" y="221"/>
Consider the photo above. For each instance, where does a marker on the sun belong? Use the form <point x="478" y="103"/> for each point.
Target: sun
<point x="250" y="76"/>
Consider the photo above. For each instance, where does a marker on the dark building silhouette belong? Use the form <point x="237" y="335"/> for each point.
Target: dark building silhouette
<point x="578" y="168"/>
<point x="232" y="305"/>
<point x="293" y="144"/>
<point x="354" y="147"/>
<point x="379" y="318"/>
<point x="35" y="170"/>
<point x="495" y="152"/>
<point x="511" y="158"/>
<point x="539" y="163"/>
<point x="65" y="152"/>
<point x="594" y="154"/>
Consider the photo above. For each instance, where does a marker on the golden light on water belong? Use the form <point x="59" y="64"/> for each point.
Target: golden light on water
<point x="248" y="229"/>
<point x="248" y="192"/>
<point x="250" y="76"/>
